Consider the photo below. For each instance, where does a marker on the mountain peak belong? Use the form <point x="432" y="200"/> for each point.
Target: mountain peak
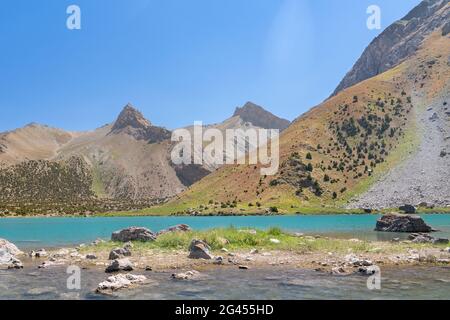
<point x="130" y="117"/>
<point x="132" y="122"/>
<point x="260" y="117"/>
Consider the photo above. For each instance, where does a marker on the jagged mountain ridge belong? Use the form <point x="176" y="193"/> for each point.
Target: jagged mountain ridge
<point x="128" y="159"/>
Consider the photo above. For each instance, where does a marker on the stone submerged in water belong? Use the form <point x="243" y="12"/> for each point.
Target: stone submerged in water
<point x="120" y="281"/>
<point x="189" y="275"/>
<point x="199" y="249"/>
<point x="402" y="223"/>
<point x="133" y="234"/>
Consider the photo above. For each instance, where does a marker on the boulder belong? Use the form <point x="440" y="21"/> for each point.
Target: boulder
<point x="120" y="281"/>
<point x="177" y="228"/>
<point x="407" y="208"/>
<point x="426" y="238"/>
<point x="8" y="252"/>
<point x="9" y="247"/>
<point x="91" y="257"/>
<point x="119" y="265"/>
<point x="133" y="234"/>
<point x="368" y="271"/>
<point x="119" y="253"/>
<point x="8" y="261"/>
<point x="440" y="241"/>
<point x="199" y="249"/>
<point x="402" y="223"/>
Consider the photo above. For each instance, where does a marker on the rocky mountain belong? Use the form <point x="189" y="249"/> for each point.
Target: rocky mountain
<point x="126" y="162"/>
<point x="249" y="116"/>
<point x="381" y="142"/>
<point x="132" y="122"/>
<point x="399" y="41"/>
<point x="259" y="117"/>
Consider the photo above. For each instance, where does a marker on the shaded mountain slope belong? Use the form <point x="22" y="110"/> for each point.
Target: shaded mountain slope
<point x="398" y="42"/>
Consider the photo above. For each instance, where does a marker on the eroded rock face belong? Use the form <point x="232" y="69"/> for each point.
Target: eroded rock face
<point x="199" y="249"/>
<point x="402" y="223"/>
<point x="133" y="234"/>
<point x="398" y="41"/>
<point x="120" y="281"/>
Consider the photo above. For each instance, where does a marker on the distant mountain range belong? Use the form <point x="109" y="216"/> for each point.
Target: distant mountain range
<point x="128" y="160"/>
<point x="381" y="140"/>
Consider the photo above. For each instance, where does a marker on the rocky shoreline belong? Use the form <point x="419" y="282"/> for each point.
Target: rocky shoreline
<point x="128" y="263"/>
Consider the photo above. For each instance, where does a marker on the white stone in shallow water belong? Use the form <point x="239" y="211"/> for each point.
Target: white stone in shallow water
<point x="9" y="247"/>
<point x="120" y="281"/>
<point x="186" y="275"/>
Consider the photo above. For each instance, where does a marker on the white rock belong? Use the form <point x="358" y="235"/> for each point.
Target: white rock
<point x="275" y="241"/>
<point x="186" y="275"/>
<point x="120" y="281"/>
<point x="10" y="247"/>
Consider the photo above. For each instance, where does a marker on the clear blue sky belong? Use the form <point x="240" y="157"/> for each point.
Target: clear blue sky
<point x="176" y="60"/>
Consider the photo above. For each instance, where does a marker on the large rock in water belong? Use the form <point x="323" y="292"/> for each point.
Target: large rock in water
<point x="9" y="247"/>
<point x="120" y="281"/>
<point x="402" y="223"/>
<point x="8" y="252"/>
<point x="199" y="250"/>
<point x="133" y="234"/>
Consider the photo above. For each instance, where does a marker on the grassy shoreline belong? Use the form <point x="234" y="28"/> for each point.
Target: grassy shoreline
<point x="256" y="248"/>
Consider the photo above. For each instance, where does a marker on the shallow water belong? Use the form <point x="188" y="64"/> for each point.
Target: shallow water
<point x="53" y="232"/>
<point x="230" y="283"/>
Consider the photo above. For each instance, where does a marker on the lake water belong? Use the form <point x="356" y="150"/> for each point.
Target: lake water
<point x="230" y="283"/>
<point x="54" y="232"/>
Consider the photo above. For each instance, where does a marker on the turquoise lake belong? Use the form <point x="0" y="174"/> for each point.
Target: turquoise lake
<point x="55" y="232"/>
